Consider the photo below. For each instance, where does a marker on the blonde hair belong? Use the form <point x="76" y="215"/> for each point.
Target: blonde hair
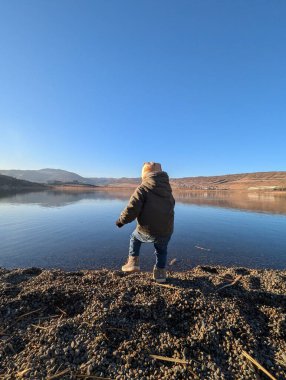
<point x="150" y="167"/>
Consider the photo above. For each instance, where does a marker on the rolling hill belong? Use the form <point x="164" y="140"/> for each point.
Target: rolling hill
<point x="10" y="184"/>
<point x="48" y="176"/>
<point x="43" y="175"/>
<point x="244" y="181"/>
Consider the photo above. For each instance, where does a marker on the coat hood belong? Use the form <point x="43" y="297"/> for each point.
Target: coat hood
<point x="158" y="183"/>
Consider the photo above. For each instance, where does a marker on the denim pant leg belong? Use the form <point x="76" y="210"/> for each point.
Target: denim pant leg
<point x="161" y="246"/>
<point x="134" y="245"/>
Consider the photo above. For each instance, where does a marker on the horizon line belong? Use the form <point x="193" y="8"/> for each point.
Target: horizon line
<point x="120" y="177"/>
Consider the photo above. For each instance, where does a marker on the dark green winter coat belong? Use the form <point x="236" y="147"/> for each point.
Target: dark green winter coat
<point x="152" y="203"/>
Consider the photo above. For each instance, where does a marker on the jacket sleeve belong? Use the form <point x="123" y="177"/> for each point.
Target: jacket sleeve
<point x="134" y="207"/>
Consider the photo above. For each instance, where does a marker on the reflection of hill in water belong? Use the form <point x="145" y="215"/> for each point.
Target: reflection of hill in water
<point x="258" y="202"/>
<point x="60" y="199"/>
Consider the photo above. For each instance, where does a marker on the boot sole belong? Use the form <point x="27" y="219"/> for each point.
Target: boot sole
<point x="134" y="269"/>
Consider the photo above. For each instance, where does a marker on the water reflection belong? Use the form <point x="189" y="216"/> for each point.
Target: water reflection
<point x="62" y="198"/>
<point x="258" y="202"/>
<point x="76" y="230"/>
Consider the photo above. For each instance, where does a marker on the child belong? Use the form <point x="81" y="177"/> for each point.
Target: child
<point x="152" y="203"/>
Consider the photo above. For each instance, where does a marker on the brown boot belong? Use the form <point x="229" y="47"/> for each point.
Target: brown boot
<point x="159" y="274"/>
<point x="132" y="264"/>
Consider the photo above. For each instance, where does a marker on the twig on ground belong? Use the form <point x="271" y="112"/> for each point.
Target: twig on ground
<point x="174" y="360"/>
<point x="50" y="316"/>
<point x="59" y="374"/>
<point x="60" y="366"/>
<point x="167" y="286"/>
<point x="20" y="374"/>
<point x="250" y="358"/>
<point x="224" y="278"/>
<point x="40" y="327"/>
<point x="106" y="337"/>
<point x="24" y="315"/>
<point x="62" y="311"/>
<point x="231" y="284"/>
<point x="82" y="376"/>
<point x="3" y="332"/>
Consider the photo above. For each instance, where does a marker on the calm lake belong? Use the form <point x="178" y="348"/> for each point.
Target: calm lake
<point x="77" y="230"/>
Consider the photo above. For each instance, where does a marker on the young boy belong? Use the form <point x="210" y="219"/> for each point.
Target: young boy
<point x="152" y="203"/>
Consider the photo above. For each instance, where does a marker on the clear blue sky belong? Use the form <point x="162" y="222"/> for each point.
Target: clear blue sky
<point x="100" y="86"/>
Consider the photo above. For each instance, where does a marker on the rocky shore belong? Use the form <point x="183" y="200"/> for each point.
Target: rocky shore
<point x="106" y="325"/>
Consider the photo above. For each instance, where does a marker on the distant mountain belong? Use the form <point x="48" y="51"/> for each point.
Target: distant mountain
<point x="44" y="175"/>
<point x="48" y="176"/>
<point x="9" y="184"/>
<point x="244" y="181"/>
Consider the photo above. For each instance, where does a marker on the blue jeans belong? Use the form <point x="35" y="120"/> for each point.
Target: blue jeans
<point x="160" y="245"/>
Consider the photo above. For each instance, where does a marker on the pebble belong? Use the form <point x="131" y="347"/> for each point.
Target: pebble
<point x="105" y="324"/>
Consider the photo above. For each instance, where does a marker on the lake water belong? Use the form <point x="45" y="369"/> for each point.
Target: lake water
<point x="77" y="230"/>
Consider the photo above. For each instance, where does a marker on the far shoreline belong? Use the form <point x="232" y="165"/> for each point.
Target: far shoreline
<point x="78" y="188"/>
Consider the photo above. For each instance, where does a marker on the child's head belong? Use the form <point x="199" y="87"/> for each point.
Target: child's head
<point x="150" y="167"/>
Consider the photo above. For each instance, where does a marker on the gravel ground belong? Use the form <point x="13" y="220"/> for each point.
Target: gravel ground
<point x="103" y="324"/>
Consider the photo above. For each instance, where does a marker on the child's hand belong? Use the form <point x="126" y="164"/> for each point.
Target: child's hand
<point x="119" y="224"/>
